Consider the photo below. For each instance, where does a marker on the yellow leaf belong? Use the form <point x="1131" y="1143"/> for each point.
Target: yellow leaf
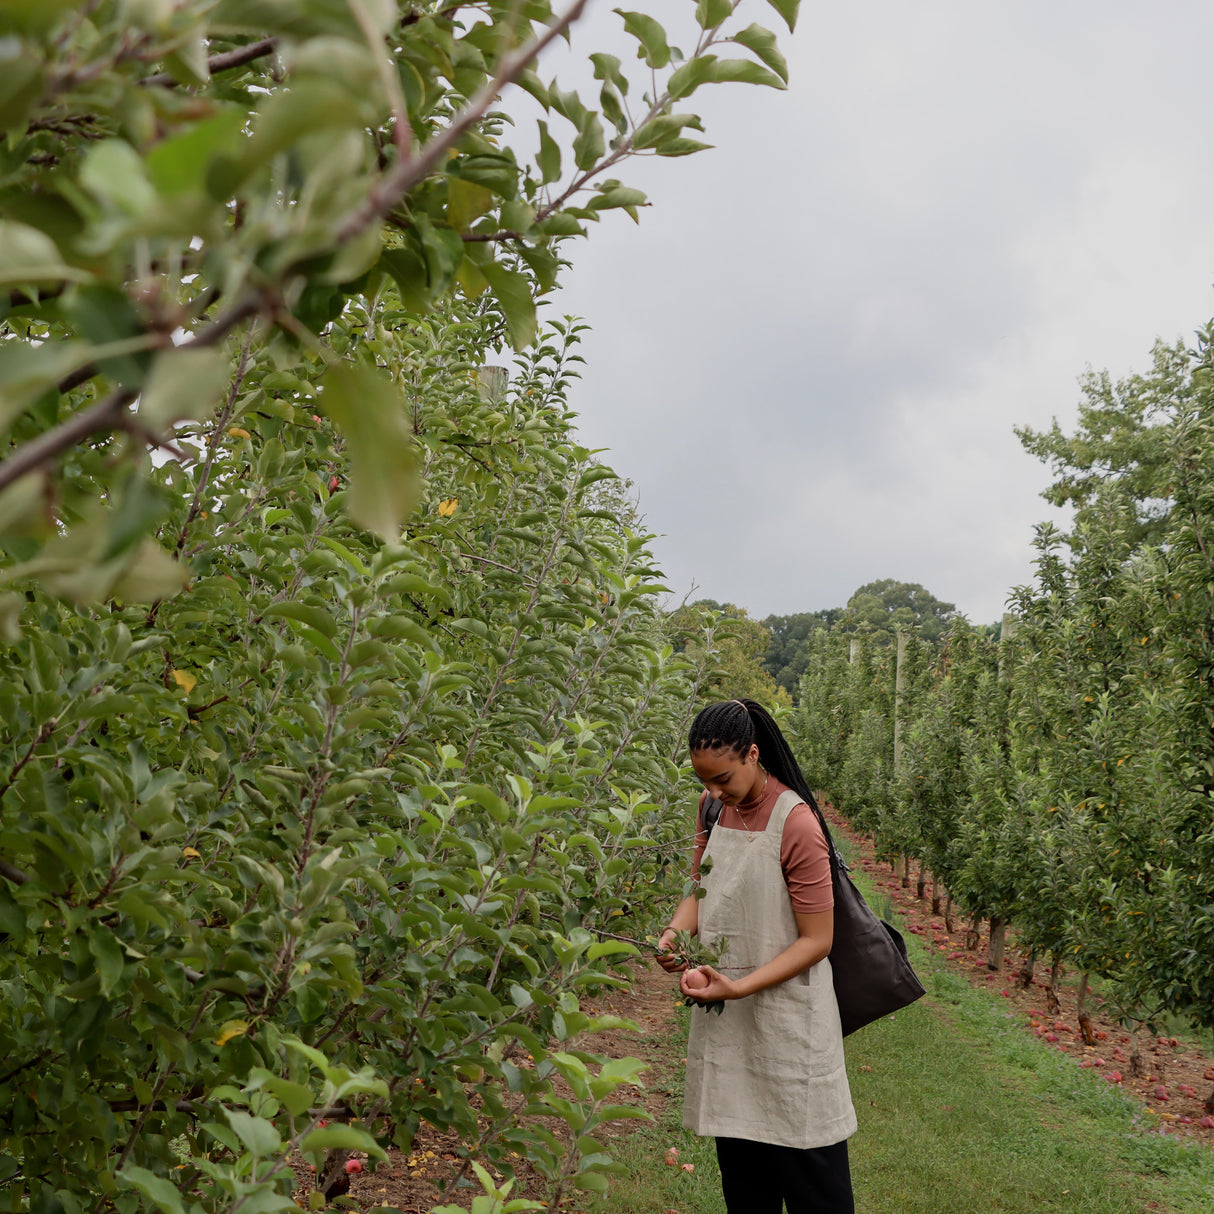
<point x="232" y="1028"/>
<point x="238" y="432"/>
<point x="185" y="680"/>
<point x="448" y="507"/>
<point x="191" y="853"/>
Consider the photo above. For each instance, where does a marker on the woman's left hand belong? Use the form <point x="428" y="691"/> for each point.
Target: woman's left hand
<point x="718" y="986"/>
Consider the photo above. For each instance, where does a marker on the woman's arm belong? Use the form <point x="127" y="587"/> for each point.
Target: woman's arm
<point x="686" y="918"/>
<point x="815" y="934"/>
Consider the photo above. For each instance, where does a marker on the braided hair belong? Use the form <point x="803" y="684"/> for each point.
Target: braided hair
<point x="737" y="725"/>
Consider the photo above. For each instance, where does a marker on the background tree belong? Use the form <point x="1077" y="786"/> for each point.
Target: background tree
<point x="883" y="607"/>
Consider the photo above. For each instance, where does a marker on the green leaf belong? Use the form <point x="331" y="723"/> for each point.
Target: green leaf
<point x="188" y="63"/>
<point x="114" y="172"/>
<point x="383" y="482"/>
<point x="788" y="10"/>
<point x="685" y="80"/>
<point x="314" y="617"/>
<point x="590" y="144"/>
<point x="681" y="147"/>
<point x="466" y="202"/>
<point x="650" y="35"/>
<point x="710" y="13"/>
<point x="549" y="156"/>
<point x="183" y="384"/>
<point x="607" y="68"/>
<point x="611" y="948"/>
<point x="258" y="1135"/>
<point x="150" y="574"/>
<point x="744" y="71"/>
<point x="28" y="256"/>
<point x="513" y="292"/>
<point x="163" y="1193"/>
<point x="664" y="127"/>
<point x="311" y="104"/>
<point x="26" y="372"/>
<point x="763" y="43"/>
<point x="111" y="960"/>
<point x="179" y="165"/>
<point x="341" y="1138"/>
<point x="618" y="196"/>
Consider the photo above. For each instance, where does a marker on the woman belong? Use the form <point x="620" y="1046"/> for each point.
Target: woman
<point x="766" y="1077"/>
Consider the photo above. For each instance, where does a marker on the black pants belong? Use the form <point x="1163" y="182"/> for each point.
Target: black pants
<point x="759" y="1178"/>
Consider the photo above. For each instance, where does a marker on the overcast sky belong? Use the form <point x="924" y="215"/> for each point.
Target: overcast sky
<point x="811" y="353"/>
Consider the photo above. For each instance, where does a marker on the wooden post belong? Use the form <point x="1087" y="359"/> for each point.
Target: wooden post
<point x="854" y="650"/>
<point x="899" y="695"/>
<point x="1007" y="630"/>
<point x="492" y="382"/>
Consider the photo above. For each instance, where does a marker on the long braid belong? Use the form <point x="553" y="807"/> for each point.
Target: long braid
<point x="737" y="725"/>
<point x="723" y="726"/>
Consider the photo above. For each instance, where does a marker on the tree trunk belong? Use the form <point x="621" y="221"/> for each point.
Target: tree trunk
<point x="973" y="934"/>
<point x="1051" y="991"/>
<point x="998" y="939"/>
<point x="1026" y="970"/>
<point x="921" y="884"/>
<point x="948" y="914"/>
<point x="935" y="894"/>
<point x="1137" y="1067"/>
<point x="1081" y="1011"/>
<point x="905" y="871"/>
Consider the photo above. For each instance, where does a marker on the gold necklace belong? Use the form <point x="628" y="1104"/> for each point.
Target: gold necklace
<point x="737" y="809"/>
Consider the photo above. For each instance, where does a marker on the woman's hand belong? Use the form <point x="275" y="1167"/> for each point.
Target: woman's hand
<point x="670" y="962"/>
<point x="716" y="986"/>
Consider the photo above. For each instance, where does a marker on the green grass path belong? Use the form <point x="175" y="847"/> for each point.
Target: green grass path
<point x="961" y="1112"/>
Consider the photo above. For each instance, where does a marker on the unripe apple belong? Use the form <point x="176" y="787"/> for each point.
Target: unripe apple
<point x="695" y="980"/>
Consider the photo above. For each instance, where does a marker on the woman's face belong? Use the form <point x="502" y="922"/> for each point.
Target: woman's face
<point x="730" y="777"/>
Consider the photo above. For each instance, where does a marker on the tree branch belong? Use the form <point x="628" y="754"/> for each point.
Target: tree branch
<point x="106" y="414"/>
<point x="15" y="875"/>
<point x="222" y="63"/>
<point x="406" y="174"/>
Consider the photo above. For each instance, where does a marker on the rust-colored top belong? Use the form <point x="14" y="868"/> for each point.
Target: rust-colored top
<point x="803" y="856"/>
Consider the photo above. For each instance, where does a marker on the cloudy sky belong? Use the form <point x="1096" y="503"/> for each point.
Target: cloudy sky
<point x="811" y="353"/>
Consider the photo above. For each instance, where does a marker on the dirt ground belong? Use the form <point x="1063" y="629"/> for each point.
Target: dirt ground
<point x="1176" y="1078"/>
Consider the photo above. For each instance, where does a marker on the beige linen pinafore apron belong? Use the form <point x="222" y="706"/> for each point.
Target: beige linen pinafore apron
<point x="770" y="1067"/>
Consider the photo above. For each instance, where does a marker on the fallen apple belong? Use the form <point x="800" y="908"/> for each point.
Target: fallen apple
<point x="353" y="1165"/>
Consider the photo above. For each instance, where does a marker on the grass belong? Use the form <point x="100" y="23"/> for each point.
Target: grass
<point x="961" y="1112"/>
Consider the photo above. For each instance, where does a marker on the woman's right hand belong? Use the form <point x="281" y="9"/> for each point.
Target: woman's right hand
<point x="670" y="962"/>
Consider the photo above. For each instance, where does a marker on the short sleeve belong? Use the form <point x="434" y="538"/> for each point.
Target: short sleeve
<point x="806" y="862"/>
